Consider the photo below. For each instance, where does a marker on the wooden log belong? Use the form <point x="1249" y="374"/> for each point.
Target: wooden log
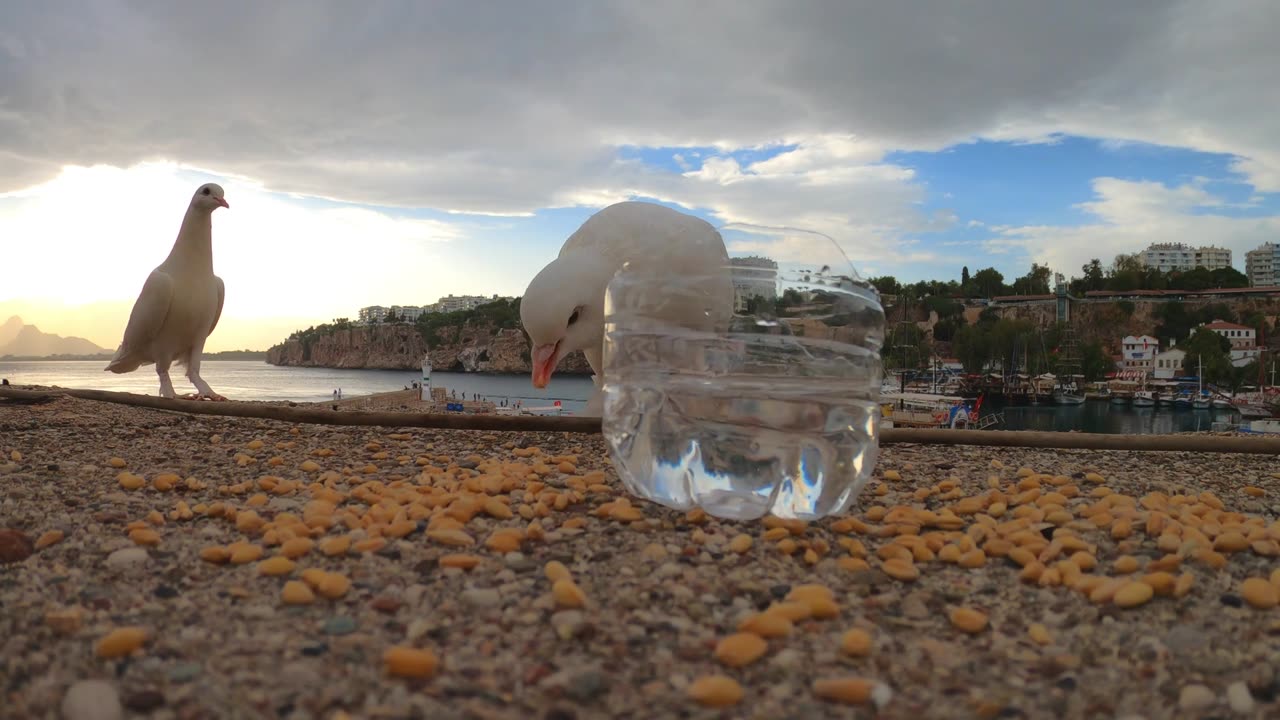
<point x="588" y="425"/>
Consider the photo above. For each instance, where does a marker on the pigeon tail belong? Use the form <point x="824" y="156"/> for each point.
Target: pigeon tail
<point x="123" y="362"/>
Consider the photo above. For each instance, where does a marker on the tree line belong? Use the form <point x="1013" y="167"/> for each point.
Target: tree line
<point x="1126" y="272"/>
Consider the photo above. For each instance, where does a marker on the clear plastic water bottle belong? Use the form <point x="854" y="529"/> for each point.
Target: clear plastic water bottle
<point x="766" y="401"/>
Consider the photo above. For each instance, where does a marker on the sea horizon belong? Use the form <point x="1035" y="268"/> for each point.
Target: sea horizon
<point x="256" y="380"/>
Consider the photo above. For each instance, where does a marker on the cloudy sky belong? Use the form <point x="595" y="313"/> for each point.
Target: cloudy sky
<point x="393" y="152"/>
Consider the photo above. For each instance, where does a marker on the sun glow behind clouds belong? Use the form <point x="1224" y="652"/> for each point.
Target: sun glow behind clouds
<point x="92" y="235"/>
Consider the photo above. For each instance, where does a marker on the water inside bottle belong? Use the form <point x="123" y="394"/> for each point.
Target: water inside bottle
<point x="693" y="429"/>
<point x="746" y="389"/>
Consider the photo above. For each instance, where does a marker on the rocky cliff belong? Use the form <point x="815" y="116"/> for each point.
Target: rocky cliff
<point x="1108" y="322"/>
<point x="466" y="348"/>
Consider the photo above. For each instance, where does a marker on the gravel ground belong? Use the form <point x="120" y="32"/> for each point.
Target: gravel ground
<point x="658" y="589"/>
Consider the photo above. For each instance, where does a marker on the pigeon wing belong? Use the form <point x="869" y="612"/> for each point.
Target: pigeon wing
<point x="222" y="294"/>
<point x="149" y="311"/>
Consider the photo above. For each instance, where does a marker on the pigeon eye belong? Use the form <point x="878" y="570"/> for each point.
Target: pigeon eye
<point x="573" y="318"/>
<point x="204" y="191"/>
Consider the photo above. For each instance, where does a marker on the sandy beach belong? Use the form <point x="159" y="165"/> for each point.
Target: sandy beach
<point x="169" y="566"/>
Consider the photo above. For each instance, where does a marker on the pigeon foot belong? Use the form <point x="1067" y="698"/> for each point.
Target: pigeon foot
<point x="215" y="397"/>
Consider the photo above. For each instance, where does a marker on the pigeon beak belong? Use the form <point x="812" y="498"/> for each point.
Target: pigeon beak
<point x="545" y="358"/>
<point x="223" y="203"/>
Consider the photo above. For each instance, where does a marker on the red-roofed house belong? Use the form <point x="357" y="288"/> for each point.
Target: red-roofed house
<point x="1243" y="339"/>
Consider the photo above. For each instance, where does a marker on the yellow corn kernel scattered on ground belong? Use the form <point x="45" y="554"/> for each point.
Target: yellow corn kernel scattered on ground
<point x="295" y="548"/>
<point x="465" y="562"/>
<point x="968" y="620"/>
<point x="766" y="625"/>
<point x="1133" y="594"/>
<point x="1259" y="593"/>
<point x="452" y="538"/>
<point x="337" y="545"/>
<point x="296" y="592"/>
<point x="900" y="569"/>
<point x="333" y="585"/>
<point x="410" y="662"/>
<point x="121" y="642"/>
<point x="819" y="598"/>
<point x="1039" y="634"/>
<point x="1125" y="565"/>
<point x="556" y="571"/>
<point x="144" y="536"/>
<point x="116" y="462"/>
<point x="856" y="642"/>
<point x="244" y="553"/>
<point x="215" y="554"/>
<point x="51" y="537"/>
<point x="276" y="566"/>
<point x="369" y="545"/>
<point x="129" y="481"/>
<point x="715" y="691"/>
<point x="740" y="649"/>
<point x="793" y="611"/>
<point x="567" y="594"/>
<point x="849" y="690"/>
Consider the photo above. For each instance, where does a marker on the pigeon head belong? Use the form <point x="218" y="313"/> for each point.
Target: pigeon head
<point x="209" y="197"/>
<point x="562" y="310"/>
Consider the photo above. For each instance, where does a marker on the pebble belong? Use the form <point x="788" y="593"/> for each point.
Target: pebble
<point x="92" y="700"/>
<point x="1239" y="697"/>
<point x="15" y="546"/>
<point x="144" y="701"/>
<point x="1195" y="697"/>
<point x="184" y="672"/>
<point x="127" y="557"/>
<point x="914" y="607"/>
<point x="585" y="685"/>
<point x="518" y="561"/>
<point x="339" y="625"/>
<point x="482" y="597"/>
<point x="568" y="623"/>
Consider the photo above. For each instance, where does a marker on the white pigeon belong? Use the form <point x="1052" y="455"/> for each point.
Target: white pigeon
<point x="563" y="308"/>
<point x="180" y="302"/>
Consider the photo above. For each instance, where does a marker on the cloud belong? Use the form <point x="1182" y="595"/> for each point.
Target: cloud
<point x="1129" y="215"/>
<point x="509" y="107"/>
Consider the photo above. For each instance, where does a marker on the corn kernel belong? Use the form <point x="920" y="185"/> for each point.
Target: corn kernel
<point x="716" y="691"/>
<point x="740" y="649"/>
<point x="410" y="662"/>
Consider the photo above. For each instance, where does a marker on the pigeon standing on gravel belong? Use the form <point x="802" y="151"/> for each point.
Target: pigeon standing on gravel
<point x="180" y="302"/>
<point x="563" y="307"/>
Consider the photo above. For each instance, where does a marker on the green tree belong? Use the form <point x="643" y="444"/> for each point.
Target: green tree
<point x="1213" y="351"/>
<point x="1094" y="276"/>
<point x="886" y="284"/>
<point x="988" y="282"/>
<point x="964" y="279"/>
<point x="1229" y="277"/>
<point x="1095" y="363"/>
<point x="1035" y="282"/>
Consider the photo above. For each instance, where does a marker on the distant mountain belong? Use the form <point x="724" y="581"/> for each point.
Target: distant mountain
<point x="18" y="339"/>
<point x="9" y="330"/>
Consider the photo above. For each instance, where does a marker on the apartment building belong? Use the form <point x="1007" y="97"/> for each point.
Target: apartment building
<point x="1167" y="257"/>
<point x="1212" y="257"/>
<point x="1261" y="263"/>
